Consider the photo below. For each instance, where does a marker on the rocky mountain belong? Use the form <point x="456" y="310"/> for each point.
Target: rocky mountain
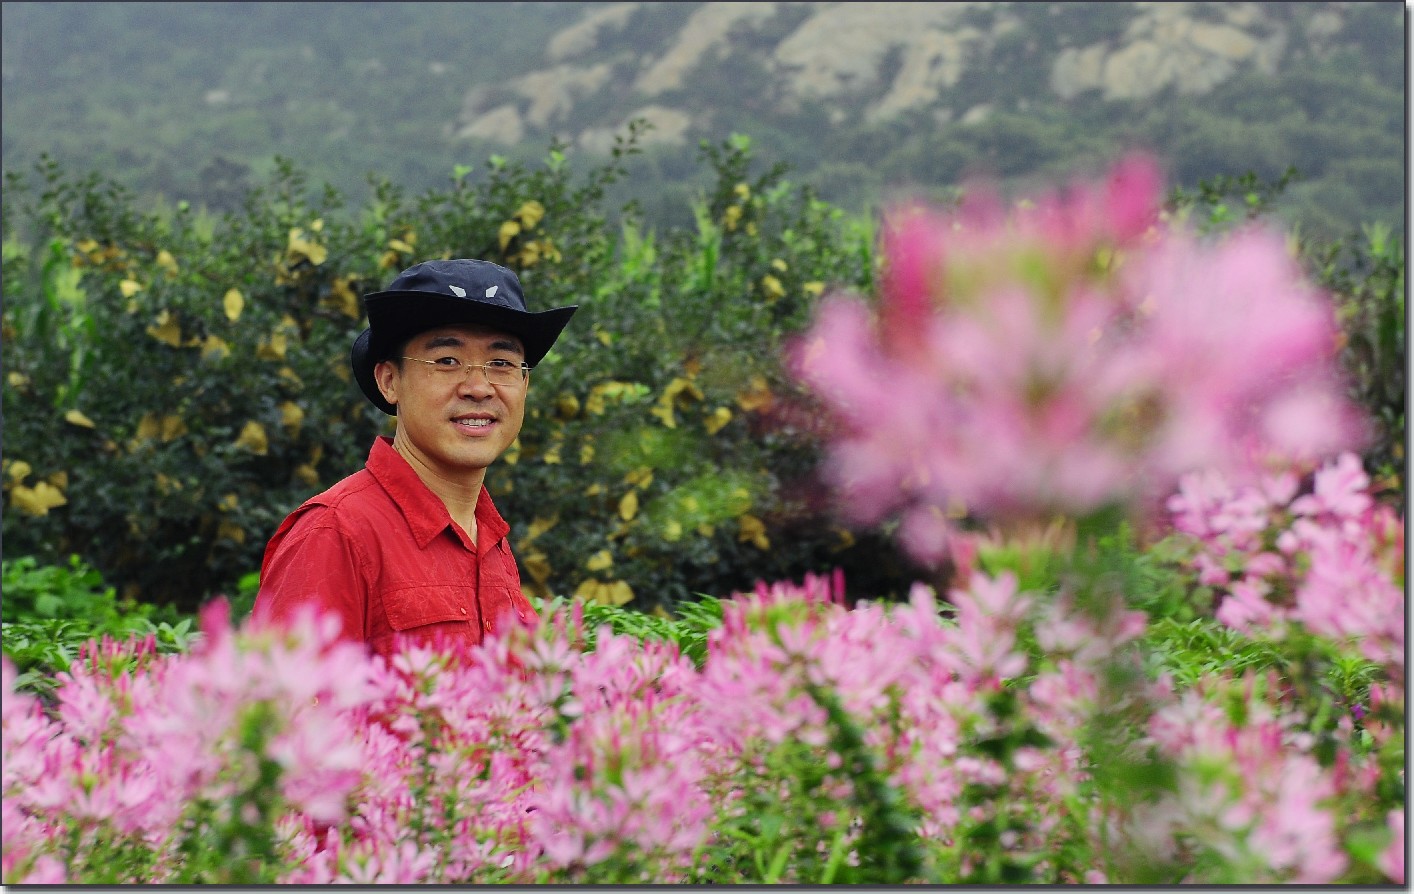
<point x="872" y="63"/>
<point x="194" y="100"/>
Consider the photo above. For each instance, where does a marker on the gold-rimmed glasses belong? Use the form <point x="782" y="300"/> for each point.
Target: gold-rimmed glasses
<point x="497" y="372"/>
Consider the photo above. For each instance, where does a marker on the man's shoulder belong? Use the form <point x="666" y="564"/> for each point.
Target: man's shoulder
<point x="355" y="497"/>
<point x="349" y="490"/>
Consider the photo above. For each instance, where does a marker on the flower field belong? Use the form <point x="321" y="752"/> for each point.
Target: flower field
<point x="1160" y="636"/>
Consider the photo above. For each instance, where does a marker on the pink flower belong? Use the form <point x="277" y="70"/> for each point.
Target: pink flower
<point x="1391" y="860"/>
<point x="1065" y="358"/>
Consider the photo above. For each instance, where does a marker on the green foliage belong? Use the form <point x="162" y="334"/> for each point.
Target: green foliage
<point x="176" y="383"/>
<point x="52" y="611"/>
<point x="1367" y="276"/>
<point x="688" y="630"/>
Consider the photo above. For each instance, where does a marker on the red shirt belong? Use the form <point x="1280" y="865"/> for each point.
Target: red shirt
<point x="380" y="550"/>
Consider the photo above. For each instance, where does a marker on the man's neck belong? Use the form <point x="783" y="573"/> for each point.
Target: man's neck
<point x="459" y="493"/>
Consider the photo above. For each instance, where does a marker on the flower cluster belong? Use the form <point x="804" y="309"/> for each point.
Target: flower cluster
<point x="1074" y="354"/>
<point x="138" y="743"/>
<point x="912" y="742"/>
<point x="1329" y="557"/>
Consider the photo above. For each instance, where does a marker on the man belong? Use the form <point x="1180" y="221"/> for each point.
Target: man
<point x="411" y="546"/>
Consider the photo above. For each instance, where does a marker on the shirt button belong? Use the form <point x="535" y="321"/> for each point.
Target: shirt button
<point x="463" y="611"/>
<point x="488" y="625"/>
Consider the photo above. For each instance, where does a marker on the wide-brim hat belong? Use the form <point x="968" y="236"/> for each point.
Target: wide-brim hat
<point x="440" y="293"/>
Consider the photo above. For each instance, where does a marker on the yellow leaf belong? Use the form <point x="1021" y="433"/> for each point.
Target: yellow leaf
<point x="779" y="265"/>
<point x="233" y="303"/>
<point x="679" y="390"/>
<point x="530" y="214"/>
<point x="146" y="427"/>
<point x="613" y="593"/>
<point x="59" y="479"/>
<point x="230" y="531"/>
<point x="344" y="298"/>
<point x="628" y="505"/>
<point x="509" y="230"/>
<point x="173" y="427"/>
<point x="17" y="470"/>
<point x="640" y="477"/>
<point x="846" y="540"/>
<point x="605" y="338"/>
<point x="529" y="254"/>
<point x="293" y="378"/>
<point x="731" y="217"/>
<point x="167" y="330"/>
<point x="742" y="191"/>
<point x="594" y="490"/>
<point x="664" y="412"/>
<point x="672" y="530"/>
<point x="512" y="454"/>
<point x="17" y="379"/>
<point x="772" y="288"/>
<point x="253" y="438"/>
<point x="300" y="247"/>
<point x="601" y="394"/>
<point x="37" y="500"/>
<point x="215" y="348"/>
<point x="600" y="561"/>
<point x="167" y="262"/>
<point x="228" y="503"/>
<point x="291" y="415"/>
<point x="166" y="485"/>
<point x="552" y="456"/>
<point x="400" y="245"/>
<point x="718" y="418"/>
<point x="539" y="526"/>
<point x="537" y="565"/>
<point x="274" y="347"/>
<point x="566" y="406"/>
<point x="813" y="288"/>
<point x="755" y="396"/>
<point x="752" y="530"/>
<point x="586" y="451"/>
<point x="129" y="287"/>
<point x="308" y="474"/>
<point x="74" y="417"/>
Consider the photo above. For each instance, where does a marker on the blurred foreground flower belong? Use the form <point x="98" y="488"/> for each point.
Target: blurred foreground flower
<point x="1072" y="355"/>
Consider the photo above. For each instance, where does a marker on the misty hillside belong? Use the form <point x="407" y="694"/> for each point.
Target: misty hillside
<point x="863" y="100"/>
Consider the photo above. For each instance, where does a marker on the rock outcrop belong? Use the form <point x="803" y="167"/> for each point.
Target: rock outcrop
<point x="870" y="62"/>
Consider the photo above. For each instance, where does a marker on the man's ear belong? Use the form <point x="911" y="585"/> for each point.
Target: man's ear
<point x="385" y="373"/>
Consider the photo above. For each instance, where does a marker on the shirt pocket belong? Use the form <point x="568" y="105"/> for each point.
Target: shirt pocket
<point x="504" y="606"/>
<point x="418" y="606"/>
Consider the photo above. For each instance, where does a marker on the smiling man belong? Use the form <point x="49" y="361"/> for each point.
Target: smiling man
<point x="411" y="546"/>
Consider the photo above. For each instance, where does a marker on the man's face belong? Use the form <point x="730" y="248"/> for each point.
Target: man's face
<point x="456" y="422"/>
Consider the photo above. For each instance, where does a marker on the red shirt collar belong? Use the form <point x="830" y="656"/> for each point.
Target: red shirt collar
<point x="426" y="514"/>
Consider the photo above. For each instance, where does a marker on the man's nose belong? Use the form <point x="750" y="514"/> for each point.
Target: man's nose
<point x="476" y="384"/>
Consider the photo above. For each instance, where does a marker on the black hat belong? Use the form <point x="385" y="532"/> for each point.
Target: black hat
<point x="438" y="293"/>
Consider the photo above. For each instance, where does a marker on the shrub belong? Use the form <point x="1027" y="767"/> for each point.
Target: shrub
<point x="175" y="384"/>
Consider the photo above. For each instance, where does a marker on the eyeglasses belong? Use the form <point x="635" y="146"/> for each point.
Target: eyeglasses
<point x="498" y="372"/>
